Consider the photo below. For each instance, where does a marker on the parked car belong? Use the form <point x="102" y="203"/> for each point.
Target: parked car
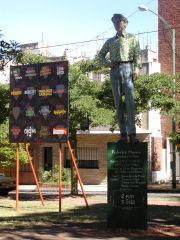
<point x="6" y="184"/>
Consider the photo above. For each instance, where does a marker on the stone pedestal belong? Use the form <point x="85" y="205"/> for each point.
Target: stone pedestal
<point x="127" y="185"/>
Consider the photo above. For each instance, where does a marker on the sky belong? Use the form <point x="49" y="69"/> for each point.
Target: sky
<point x="61" y="22"/>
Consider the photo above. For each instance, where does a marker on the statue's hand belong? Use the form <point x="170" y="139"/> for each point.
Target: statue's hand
<point x="135" y="75"/>
<point x="112" y="65"/>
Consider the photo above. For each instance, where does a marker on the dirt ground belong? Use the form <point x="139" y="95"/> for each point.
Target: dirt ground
<point x="158" y="229"/>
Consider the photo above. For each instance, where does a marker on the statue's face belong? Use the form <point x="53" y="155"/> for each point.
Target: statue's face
<point x="120" y="26"/>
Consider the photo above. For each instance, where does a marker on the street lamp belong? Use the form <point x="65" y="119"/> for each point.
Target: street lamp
<point x="143" y="8"/>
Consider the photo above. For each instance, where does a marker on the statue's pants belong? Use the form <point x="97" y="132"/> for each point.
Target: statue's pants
<point x="122" y="82"/>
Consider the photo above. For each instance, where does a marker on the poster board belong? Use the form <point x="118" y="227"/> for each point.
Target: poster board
<point x="39" y="103"/>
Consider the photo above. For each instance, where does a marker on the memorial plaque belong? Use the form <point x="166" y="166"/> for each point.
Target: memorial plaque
<point x="39" y="102"/>
<point x="127" y="185"/>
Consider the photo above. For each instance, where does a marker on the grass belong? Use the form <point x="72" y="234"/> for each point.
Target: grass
<point x="74" y="210"/>
<point x="31" y="213"/>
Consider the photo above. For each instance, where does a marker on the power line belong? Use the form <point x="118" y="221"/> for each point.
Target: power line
<point x="64" y="44"/>
<point x="88" y="41"/>
<point x="94" y="40"/>
<point x="112" y="27"/>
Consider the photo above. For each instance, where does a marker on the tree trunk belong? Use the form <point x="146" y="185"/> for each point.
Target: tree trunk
<point x="74" y="179"/>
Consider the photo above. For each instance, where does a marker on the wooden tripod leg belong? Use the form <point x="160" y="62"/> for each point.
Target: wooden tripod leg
<point x="60" y="176"/>
<point x="17" y="177"/>
<point x="77" y="172"/>
<point x="33" y="171"/>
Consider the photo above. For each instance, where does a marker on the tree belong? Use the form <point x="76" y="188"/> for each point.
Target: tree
<point x="4" y="102"/>
<point x="30" y="58"/>
<point x="8" y="150"/>
<point x="155" y="92"/>
<point x="83" y="103"/>
<point x="9" y="51"/>
<point x="152" y="92"/>
<point x="92" y="65"/>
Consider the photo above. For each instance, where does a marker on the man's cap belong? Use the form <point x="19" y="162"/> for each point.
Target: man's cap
<point x="119" y="17"/>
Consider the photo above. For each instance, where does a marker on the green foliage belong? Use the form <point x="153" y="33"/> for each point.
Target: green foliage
<point x="8" y="150"/>
<point x="30" y="58"/>
<point x="152" y="92"/>
<point x="4" y="102"/>
<point x="155" y="92"/>
<point x="91" y="65"/>
<point x="105" y="94"/>
<point x="9" y="51"/>
<point x="46" y="176"/>
<point x="85" y="100"/>
<point x="52" y="176"/>
<point x="94" y="100"/>
<point x="175" y="138"/>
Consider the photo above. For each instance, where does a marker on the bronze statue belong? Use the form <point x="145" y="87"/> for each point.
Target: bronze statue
<point x="124" y="64"/>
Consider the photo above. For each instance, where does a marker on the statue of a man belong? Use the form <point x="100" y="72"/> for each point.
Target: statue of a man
<point x="125" y="62"/>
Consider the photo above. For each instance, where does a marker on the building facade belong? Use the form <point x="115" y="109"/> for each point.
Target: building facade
<point x="169" y="10"/>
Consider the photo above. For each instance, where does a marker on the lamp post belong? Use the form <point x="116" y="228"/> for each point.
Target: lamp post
<point x="143" y="8"/>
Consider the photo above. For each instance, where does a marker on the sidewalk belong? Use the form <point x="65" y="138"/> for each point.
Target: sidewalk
<point x="52" y="191"/>
<point x="163" y="188"/>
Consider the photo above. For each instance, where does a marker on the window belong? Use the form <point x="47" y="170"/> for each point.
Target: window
<point x="87" y="158"/>
<point x="85" y="124"/>
<point x="47" y="158"/>
<point x="96" y="76"/>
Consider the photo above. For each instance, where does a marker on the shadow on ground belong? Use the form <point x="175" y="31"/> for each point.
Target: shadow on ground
<point x="83" y="223"/>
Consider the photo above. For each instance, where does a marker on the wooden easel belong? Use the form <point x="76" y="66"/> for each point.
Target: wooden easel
<point x="36" y="180"/>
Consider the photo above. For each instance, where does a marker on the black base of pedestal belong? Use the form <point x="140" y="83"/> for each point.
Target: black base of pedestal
<point x="127" y="185"/>
<point x="127" y="218"/>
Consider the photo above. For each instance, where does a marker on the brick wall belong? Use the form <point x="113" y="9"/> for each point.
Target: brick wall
<point x="169" y="10"/>
<point x="156" y="152"/>
<point x="88" y="176"/>
<point x="26" y="177"/>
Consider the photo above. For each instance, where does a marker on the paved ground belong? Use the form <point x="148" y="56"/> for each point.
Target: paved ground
<point x="87" y="233"/>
